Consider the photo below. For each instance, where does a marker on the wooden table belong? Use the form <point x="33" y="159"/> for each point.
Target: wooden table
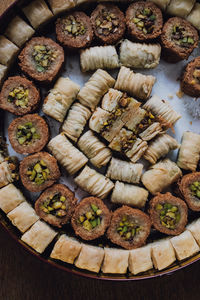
<point x="22" y="276"/>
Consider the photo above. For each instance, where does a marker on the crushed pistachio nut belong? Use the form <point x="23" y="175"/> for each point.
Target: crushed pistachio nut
<point x="127" y="142"/>
<point x="43" y="57"/>
<point x="127" y="229"/>
<point x="195" y="189"/>
<point x="145" y="20"/>
<point x="181" y="37"/>
<point x="148" y="120"/>
<point x="55" y="205"/>
<point x="26" y="134"/>
<point x="107" y="22"/>
<point x="92" y="218"/>
<point x="39" y="172"/>
<point x="13" y="164"/>
<point x="73" y="26"/>
<point x="19" y="96"/>
<point x="169" y="215"/>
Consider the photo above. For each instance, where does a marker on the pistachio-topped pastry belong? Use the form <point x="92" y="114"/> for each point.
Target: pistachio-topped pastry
<point x="39" y="171"/>
<point x="190" y="81"/>
<point x="129" y="227"/>
<point x="91" y="218"/>
<point x="190" y="189"/>
<point x="108" y="23"/>
<point x="56" y="205"/>
<point x="28" y="134"/>
<point x="74" y="30"/>
<point x="168" y="214"/>
<point x="19" y="96"/>
<point x="43" y="56"/>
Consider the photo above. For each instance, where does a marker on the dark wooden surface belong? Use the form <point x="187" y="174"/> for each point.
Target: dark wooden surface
<point x="22" y="276"/>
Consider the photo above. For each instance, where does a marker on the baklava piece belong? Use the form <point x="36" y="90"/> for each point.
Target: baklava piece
<point x="190" y="189"/>
<point x="10" y="198"/>
<point x="163" y="254"/>
<point x="8" y="51"/>
<point x="140" y="260"/>
<point x="115" y="261"/>
<point x="190" y="81"/>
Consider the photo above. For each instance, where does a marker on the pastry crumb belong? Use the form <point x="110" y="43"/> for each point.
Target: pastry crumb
<point x="170" y="96"/>
<point x="179" y="94"/>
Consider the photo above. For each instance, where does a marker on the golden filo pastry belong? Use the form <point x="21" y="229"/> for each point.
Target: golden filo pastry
<point x="110" y="100"/>
<point x="163" y="254"/>
<point x="194" y="16"/>
<point x="162" y="3"/>
<point x="58" y="6"/>
<point x="8" y="51"/>
<point x="5" y="174"/>
<point x="98" y="119"/>
<point x="140" y="260"/>
<point x="115" y="261"/>
<point x="194" y="228"/>
<point x="3" y="72"/>
<point x="180" y="8"/>
<point x="66" y="249"/>
<point x="10" y="198"/>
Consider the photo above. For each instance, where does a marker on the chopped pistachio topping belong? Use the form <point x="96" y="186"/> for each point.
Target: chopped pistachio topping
<point x="107" y="22"/>
<point x="26" y="134"/>
<point x="169" y="215"/>
<point x="55" y="205"/>
<point x="195" y="189"/>
<point x="74" y="27"/>
<point x="19" y="96"/>
<point x="39" y="172"/>
<point x="181" y="37"/>
<point x="145" y="20"/>
<point x="127" y="229"/>
<point x="148" y="120"/>
<point x="43" y="57"/>
<point x="13" y="166"/>
<point x="92" y="218"/>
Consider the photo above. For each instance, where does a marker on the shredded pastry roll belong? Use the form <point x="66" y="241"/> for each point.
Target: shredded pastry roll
<point x="115" y="261"/>
<point x="163" y="254"/>
<point x="189" y="153"/>
<point x="161" y="175"/>
<point x="66" y="249"/>
<point x="3" y="72"/>
<point x="94" y="183"/>
<point x="129" y="194"/>
<point x="135" y="84"/>
<point x="59" y="6"/>
<point x="37" y="12"/>
<point x="92" y="92"/>
<point x="67" y="155"/>
<point x="139" y="56"/>
<point x="5" y="174"/>
<point x="23" y="216"/>
<point x="149" y="133"/>
<point x="111" y="99"/>
<point x="99" y="57"/>
<point x="94" y="149"/>
<point x="98" y="119"/>
<point x="162" y="108"/>
<point x="184" y="245"/>
<point x="90" y="258"/>
<point x="140" y="260"/>
<point x="180" y="8"/>
<point x="18" y="31"/>
<point x="161" y="3"/>
<point x="8" y="51"/>
<point x="39" y="236"/>
<point x="60" y="98"/>
<point x="10" y="197"/>
<point x="124" y="171"/>
<point x="194" y="16"/>
<point x="76" y="121"/>
<point x="160" y="147"/>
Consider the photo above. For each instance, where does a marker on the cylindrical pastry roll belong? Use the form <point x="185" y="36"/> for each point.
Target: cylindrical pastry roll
<point x="124" y="171"/>
<point x="98" y="119"/>
<point x="3" y="72"/>
<point x="180" y="8"/>
<point x="161" y="3"/>
<point x="190" y="80"/>
<point x="194" y="16"/>
<point x="129" y="194"/>
<point x="59" y="6"/>
<point x="160" y="147"/>
<point x="66" y="154"/>
<point x="135" y="84"/>
<point x="99" y="57"/>
<point x="162" y="109"/>
<point x="76" y="121"/>
<point x="60" y="98"/>
<point x="94" y="183"/>
<point x="111" y="99"/>
<point x="8" y="171"/>
<point x="98" y="84"/>
<point x="94" y="149"/>
<point x="8" y="51"/>
<point x="139" y="56"/>
<point x="161" y="175"/>
<point x="189" y="153"/>
<point x="18" y="31"/>
<point x="151" y="131"/>
<point x="37" y="12"/>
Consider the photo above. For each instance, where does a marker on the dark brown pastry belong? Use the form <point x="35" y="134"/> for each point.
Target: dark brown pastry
<point x="190" y="189"/>
<point x="168" y="214"/>
<point x="129" y="227"/>
<point x="19" y="96"/>
<point x="91" y="218"/>
<point x="190" y="81"/>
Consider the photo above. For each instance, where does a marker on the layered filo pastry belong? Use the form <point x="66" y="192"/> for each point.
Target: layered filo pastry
<point x="180" y="8"/>
<point x="60" y="98"/>
<point x="124" y="171"/>
<point x="3" y="73"/>
<point x="194" y="228"/>
<point x="58" y="6"/>
<point x="140" y="260"/>
<point x="161" y="3"/>
<point x="94" y="183"/>
<point x="94" y="149"/>
<point x="8" y="51"/>
<point x="8" y="171"/>
<point x="99" y="57"/>
<point x="115" y="261"/>
<point x="161" y="175"/>
<point x="194" y="16"/>
<point x="76" y="120"/>
<point x="163" y="254"/>
<point x="67" y="155"/>
<point x="139" y="56"/>
<point x="10" y="198"/>
<point x="92" y="92"/>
